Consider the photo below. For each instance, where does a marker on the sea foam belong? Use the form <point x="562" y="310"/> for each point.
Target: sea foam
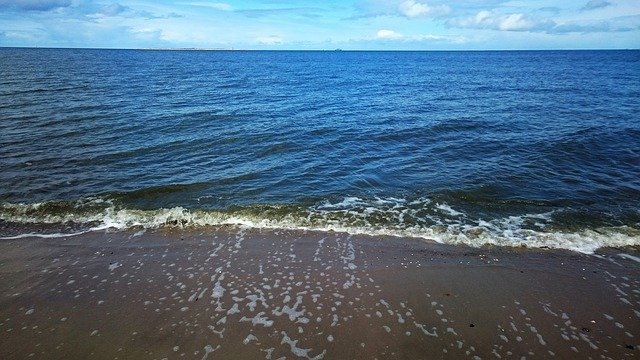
<point x="425" y="219"/>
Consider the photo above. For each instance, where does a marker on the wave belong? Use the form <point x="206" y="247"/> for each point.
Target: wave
<point x="419" y="218"/>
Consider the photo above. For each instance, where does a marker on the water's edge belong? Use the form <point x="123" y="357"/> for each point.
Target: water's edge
<point x="395" y="217"/>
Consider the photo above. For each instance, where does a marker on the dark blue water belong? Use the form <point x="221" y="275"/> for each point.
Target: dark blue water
<point x="534" y="148"/>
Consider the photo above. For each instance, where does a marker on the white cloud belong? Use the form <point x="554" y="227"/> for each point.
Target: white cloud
<point x="412" y="9"/>
<point x="386" y="34"/>
<point x="217" y="6"/>
<point x="407" y="8"/>
<point x="117" y="10"/>
<point x="618" y="24"/>
<point x="112" y="10"/>
<point x="506" y="22"/>
<point x="516" y="22"/>
<point x="269" y="40"/>
<point x="440" y="38"/>
<point x="146" y="33"/>
<point x="523" y="22"/>
<point x="19" y="35"/>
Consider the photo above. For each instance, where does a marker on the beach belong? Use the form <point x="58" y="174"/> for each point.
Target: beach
<point x="233" y="292"/>
<point x="319" y="204"/>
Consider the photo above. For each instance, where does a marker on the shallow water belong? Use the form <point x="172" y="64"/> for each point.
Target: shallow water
<point x="534" y="148"/>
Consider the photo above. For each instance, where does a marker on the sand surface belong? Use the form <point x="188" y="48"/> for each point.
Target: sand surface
<point x="233" y="293"/>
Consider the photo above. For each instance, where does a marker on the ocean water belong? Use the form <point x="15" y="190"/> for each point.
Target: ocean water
<point x="538" y="149"/>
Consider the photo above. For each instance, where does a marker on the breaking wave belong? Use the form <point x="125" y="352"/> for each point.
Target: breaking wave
<point x="420" y="217"/>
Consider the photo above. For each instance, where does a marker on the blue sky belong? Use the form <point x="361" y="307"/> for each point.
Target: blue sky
<point x="330" y="24"/>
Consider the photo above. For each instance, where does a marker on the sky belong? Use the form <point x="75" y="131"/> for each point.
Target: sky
<point x="323" y="25"/>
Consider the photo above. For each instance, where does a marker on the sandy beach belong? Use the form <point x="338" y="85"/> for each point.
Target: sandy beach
<point x="241" y="293"/>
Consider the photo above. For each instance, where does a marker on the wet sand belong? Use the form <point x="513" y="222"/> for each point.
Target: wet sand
<point x="231" y="293"/>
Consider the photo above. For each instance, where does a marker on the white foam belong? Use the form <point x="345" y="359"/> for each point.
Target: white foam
<point x="330" y="338"/>
<point x="253" y="300"/>
<point x="218" y="290"/>
<point x="351" y="215"/>
<point x="259" y="319"/>
<point x="448" y="210"/>
<point x="208" y="350"/>
<point x="425" y="331"/>
<point x="43" y="236"/>
<point x="292" y="312"/>
<point x="300" y="352"/>
<point x="249" y="339"/>
<point x="630" y="257"/>
<point x="346" y="203"/>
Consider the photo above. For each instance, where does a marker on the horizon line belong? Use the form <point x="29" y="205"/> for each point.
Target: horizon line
<point x="310" y="50"/>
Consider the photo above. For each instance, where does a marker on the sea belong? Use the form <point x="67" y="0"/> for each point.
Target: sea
<point x="535" y="149"/>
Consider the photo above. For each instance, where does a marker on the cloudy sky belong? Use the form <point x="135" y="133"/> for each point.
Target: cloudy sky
<point x="328" y="24"/>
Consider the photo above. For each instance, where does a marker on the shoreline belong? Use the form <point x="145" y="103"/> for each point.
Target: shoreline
<point x="233" y="292"/>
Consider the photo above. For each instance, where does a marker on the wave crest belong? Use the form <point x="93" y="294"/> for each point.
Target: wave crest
<point x="421" y="218"/>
